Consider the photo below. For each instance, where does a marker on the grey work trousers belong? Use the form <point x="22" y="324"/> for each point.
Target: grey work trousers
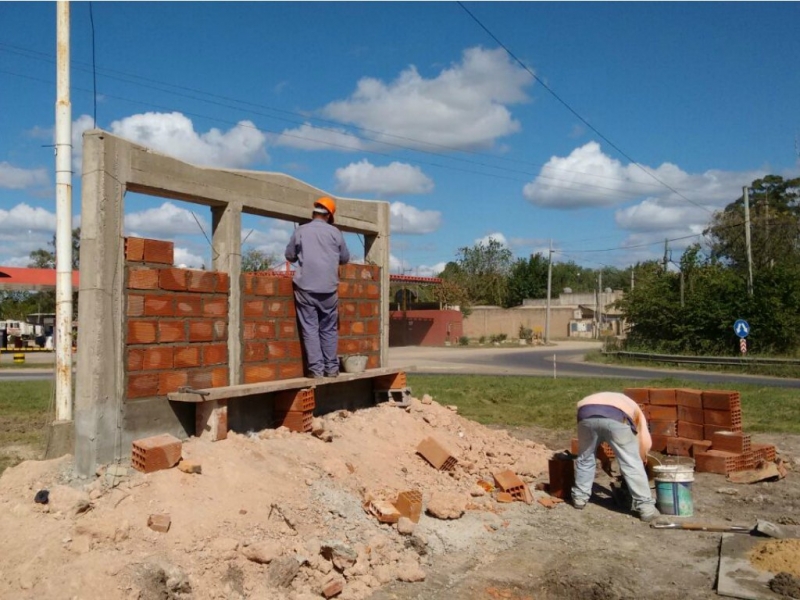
<point x="318" y="317"/>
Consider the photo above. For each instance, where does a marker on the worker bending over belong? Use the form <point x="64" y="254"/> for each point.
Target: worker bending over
<point x="616" y="419"/>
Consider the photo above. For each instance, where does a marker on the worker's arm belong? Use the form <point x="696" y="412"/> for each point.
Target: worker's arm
<point x="643" y="433"/>
<point x="291" y="248"/>
<point x="344" y="253"/>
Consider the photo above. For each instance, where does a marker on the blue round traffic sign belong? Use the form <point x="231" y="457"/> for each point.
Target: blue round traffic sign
<point x="741" y="328"/>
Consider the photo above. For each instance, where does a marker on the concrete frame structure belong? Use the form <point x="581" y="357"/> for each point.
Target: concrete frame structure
<point x="105" y="424"/>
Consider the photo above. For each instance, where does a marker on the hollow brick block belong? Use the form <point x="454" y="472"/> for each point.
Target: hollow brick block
<point x="215" y="307"/>
<point x="188" y="306"/>
<point x="664" y="397"/>
<point x="679" y="446"/>
<point x="638" y="395"/>
<point x="143" y="279"/>
<point x="285" y="329"/>
<point x="659" y="442"/>
<point x="297" y="400"/>
<point x="276" y="308"/>
<point x="187" y="357"/>
<point x="219" y="377"/>
<point x="223" y="283"/>
<point x="291" y="370"/>
<point x="437" y="455"/>
<point x="724" y="418"/>
<point x="253" y="308"/>
<point x="201" y="331"/>
<point x="690" y="414"/>
<point x="264" y="286"/>
<point x="284" y="286"/>
<point x="721" y="400"/>
<point x="395" y="381"/>
<point x="714" y="461"/>
<point x="409" y="504"/>
<point x="689" y="398"/>
<point x="135" y="359"/>
<point x="700" y="446"/>
<point x="766" y="452"/>
<point x="135" y="305"/>
<point x="561" y="477"/>
<point x="159" y="251"/>
<point x="255" y="352"/>
<point x="259" y="373"/>
<point x="295" y="420"/>
<point x="215" y="354"/>
<point x="158" y="306"/>
<point x="142" y="385"/>
<point x="170" y="381"/>
<point x="348" y="309"/>
<point x="731" y="441"/>
<point x="373" y="362"/>
<point x="710" y="430"/>
<point x="665" y="428"/>
<point x="663" y="413"/>
<point x="693" y="431"/>
<point x="155" y="453"/>
<point x="158" y="358"/>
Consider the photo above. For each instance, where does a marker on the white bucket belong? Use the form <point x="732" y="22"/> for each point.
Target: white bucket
<point x="353" y="363"/>
<point x="674" y="489"/>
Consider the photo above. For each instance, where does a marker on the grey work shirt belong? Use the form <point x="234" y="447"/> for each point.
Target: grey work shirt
<point x="318" y="248"/>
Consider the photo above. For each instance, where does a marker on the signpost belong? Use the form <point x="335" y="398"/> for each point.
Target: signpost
<point x="742" y="329"/>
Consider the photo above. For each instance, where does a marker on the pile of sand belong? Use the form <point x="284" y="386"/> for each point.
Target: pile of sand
<point x="274" y="515"/>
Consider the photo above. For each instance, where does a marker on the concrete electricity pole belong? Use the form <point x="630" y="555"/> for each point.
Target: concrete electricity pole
<point x="747" y="241"/>
<point x="549" y="287"/>
<point x="63" y="323"/>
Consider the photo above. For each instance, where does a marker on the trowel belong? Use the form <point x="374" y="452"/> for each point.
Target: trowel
<point x="762" y="528"/>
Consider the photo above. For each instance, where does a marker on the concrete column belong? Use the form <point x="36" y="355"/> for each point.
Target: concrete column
<point x="227" y="258"/>
<point x="377" y="253"/>
<point x="100" y="371"/>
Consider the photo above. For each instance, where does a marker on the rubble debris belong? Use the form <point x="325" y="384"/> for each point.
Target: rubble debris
<point x="426" y="399"/>
<point x="159" y="522"/>
<point x="549" y="501"/>
<point x="763" y="472"/>
<point x="405" y="526"/>
<point x="282" y="571"/>
<point x="437" y="455"/>
<point x="382" y="510"/>
<point x="446" y="505"/>
<point x="333" y="586"/>
<point x="409" y="504"/>
<point x="155" y="453"/>
<point x="191" y="467"/>
<point x="263" y="552"/>
<point x="342" y="556"/>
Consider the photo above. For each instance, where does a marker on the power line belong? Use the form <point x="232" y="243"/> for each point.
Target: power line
<point x="573" y="111"/>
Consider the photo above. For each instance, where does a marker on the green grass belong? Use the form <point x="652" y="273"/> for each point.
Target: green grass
<point x="24" y="408"/>
<point x="550" y="403"/>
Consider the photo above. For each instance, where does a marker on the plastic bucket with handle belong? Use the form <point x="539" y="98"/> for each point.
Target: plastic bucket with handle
<point x="674" y="489"/>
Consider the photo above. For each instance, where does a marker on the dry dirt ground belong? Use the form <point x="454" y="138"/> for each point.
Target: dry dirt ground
<point x="279" y="515"/>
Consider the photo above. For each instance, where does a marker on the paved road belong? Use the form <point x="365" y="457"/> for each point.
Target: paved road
<point x="538" y="361"/>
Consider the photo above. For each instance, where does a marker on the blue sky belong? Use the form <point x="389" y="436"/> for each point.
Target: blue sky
<point x="415" y="104"/>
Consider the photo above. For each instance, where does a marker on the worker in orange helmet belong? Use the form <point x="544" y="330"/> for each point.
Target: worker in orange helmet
<point x="318" y="248"/>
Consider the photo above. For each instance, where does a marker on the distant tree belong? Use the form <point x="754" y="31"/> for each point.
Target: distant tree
<point x="42" y="258"/>
<point x="254" y="260"/>
<point x="527" y="279"/>
<point x="484" y="270"/>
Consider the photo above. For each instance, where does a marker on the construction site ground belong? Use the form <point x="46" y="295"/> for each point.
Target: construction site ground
<point x="276" y="515"/>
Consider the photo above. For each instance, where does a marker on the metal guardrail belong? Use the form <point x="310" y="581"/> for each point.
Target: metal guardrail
<point x="705" y="360"/>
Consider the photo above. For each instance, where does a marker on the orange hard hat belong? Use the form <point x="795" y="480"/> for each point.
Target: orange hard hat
<point x="328" y="204"/>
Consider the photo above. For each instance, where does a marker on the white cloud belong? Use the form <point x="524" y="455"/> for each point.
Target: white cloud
<point x="17" y="178"/>
<point x="464" y="107"/>
<point x="497" y="236"/>
<point x="186" y="260"/>
<point x="27" y="218"/>
<point x="308" y="137"/>
<point x="408" y="219"/>
<point x="79" y="127"/>
<point x="269" y="241"/>
<point x="429" y="270"/>
<point x="166" y="220"/>
<point x="174" y="134"/>
<point x="397" y="178"/>
<point x="397" y="265"/>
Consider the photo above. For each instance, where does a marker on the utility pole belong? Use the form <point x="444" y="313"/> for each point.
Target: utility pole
<point x="633" y="278"/>
<point x="599" y="301"/>
<point x="549" y="287"/>
<point x="63" y="323"/>
<point x="747" y="241"/>
<point x="666" y="254"/>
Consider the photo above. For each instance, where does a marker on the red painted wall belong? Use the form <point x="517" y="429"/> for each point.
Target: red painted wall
<point x="425" y="327"/>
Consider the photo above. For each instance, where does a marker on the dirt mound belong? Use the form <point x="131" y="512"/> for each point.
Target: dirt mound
<point x="777" y="556"/>
<point x="274" y="515"/>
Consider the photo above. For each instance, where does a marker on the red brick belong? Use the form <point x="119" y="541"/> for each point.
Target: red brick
<point x="347" y="271"/>
<point x="143" y="279"/>
<point x="215" y="307"/>
<point x="291" y="370"/>
<point x="645" y="408"/>
<point x="249" y="330"/>
<point x="692" y="431"/>
<point x="188" y="306"/>
<point x="730" y="441"/>
<point x="291" y="310"/>
<point x="201" y="281"/>
<point x="200" y="379"/>
<point x="158" y="306"/>
<point x="659" y="443"/>
<point x="264" y="286"/>
<point x="373" y="362"/>
<point x="369" y="309"/>
<point x="344" y="290"/>
<point x="135" y="359"/>
<point x="220" y="331"/>
<point x="285" y="349"/>
<point x="689" y="398"/>
<point x="285" y="287"/>
<point x="215" y="354"/>
<point x="373" y="327"/>
<point x="348" y="346"/>
<point x="663" y="413"/>
<point x="170" y="381"/>
<point x="690" y="415"/>
<point x="155" y="453"/>
<point x="223" y="283"/>
<point x="201" y="331"/>
<point x="255" y="352"/>
<point x="372" y="291"/>
<point x="395" y="381"/>
<point x="713" y="461"/>
<point x="663" y="397"/>
<point x="299" y="421"/>
<point x="710" y="430"/>
<point x="158" y="251"/>
<point x="141" y="332"/>
<point x="248" y="282"/>
<point x="158" y="358"/>
<point x="265" y="330"/>
<point x="348" y="309"/>
<point x="172" y="279"/>
<point x="700" y="446"/>
<point x="253" y="308"/>
<point x="134" y="249"/>
<point x="665" y="428"/>
<point x="721" y="400"/>
<point x="135" y="305"/>
<point x="357" y="328"/>
<point x="258" y="373"/>
<point x="678" y="446"/>
<point x="302" y="400"/>
<point x="141" y="385"/>
<point x="187" y="356"/>
<point x="638" y="395"/>
<point x="725" y="418"/>
<point x="276" y="308"/>
<point x="219" y="377"/>
<point x="171" y="331"/>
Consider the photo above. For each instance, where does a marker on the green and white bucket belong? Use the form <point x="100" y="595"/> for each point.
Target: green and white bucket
<point x="674" y="488"/>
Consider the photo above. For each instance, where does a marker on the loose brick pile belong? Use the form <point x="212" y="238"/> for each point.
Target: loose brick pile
<point x="706" y="425"/>
<point x="177" y="323"/>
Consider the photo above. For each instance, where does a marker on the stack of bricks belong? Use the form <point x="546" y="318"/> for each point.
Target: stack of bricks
<point x="272" y="348"/>
<point x="706" y="425"/>
<point x="177" y="322"/>
<point x="294" y="409"/>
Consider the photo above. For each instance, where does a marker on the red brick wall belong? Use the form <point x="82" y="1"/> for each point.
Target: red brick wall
<point x="271" y="341"/>
<point x="425" y="327"/>
<point x="176" y="332"/>
<point x="177" y="322"/>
